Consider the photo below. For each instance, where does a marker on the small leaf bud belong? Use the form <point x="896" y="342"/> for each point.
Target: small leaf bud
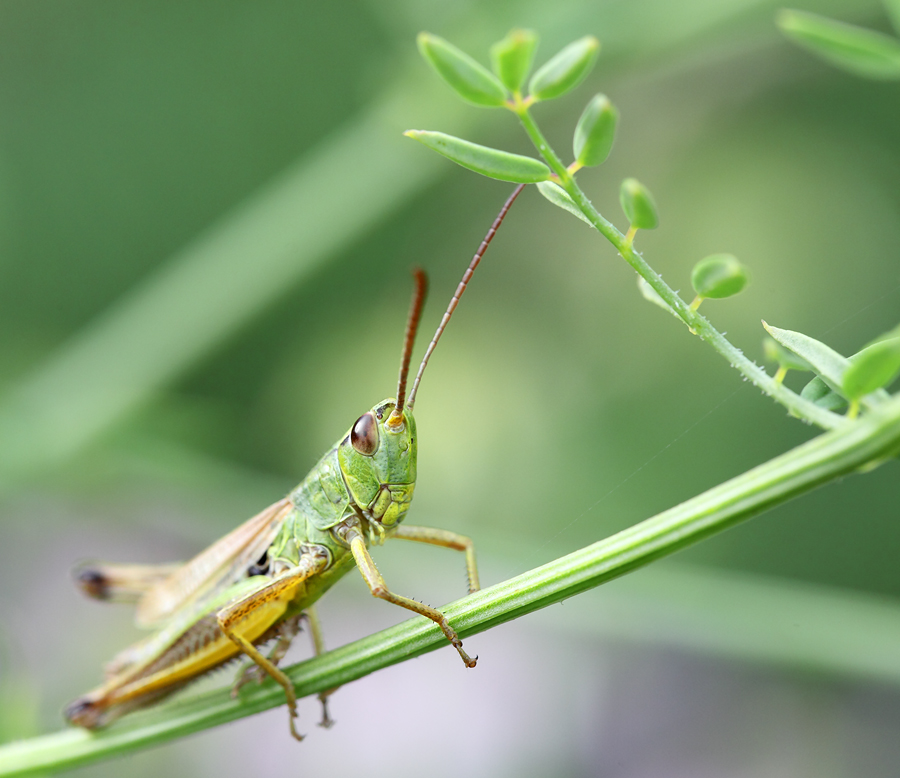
<point x="595" y="132"/>
<point x="512" y="58"/>
<point x="566" y="70"/>
<point x="637" y="202"/>
<point x="719" y="276"/>
<point x="470" y="81"/>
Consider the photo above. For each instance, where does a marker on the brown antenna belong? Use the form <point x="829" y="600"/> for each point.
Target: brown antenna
<point x="462" y="288"/>
<point x="409" y="339"/>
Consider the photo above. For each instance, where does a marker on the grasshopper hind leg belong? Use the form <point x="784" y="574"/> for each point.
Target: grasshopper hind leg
<point x="315" y="630"/>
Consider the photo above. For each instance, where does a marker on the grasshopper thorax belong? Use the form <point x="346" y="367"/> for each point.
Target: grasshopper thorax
<point x="377" y="458"/>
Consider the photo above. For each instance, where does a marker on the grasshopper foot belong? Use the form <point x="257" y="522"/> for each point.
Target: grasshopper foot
<point x="292" y="718"/>
<point x="457" y="644"/>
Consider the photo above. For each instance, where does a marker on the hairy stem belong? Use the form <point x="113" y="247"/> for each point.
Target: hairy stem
<point x="697" y="323"/>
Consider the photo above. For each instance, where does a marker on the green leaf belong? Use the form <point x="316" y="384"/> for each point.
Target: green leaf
<point x="719" y="276"/>
<point x="471" y="81"/>
<point x="595" y="132"/>
<point x="775" y="352"/>
<point x="566" y="70"/>
<point x="827" y="363"/>
<point x="482" y="159"/>
<point x="651" y="295"/>
<point x="560" y="197"/>
<point x="874" y="367"/>
<point x="855" y="49"/>
<point x="512" y="57"/>
<point x="638" y="204"/>
<point x="818" y="392"/>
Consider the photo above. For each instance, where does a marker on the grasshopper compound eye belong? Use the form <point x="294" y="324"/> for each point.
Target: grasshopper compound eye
<point x="364" y="435"/>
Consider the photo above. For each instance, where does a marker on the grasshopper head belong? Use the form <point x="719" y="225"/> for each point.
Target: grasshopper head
<point x="378" y="461"/>
<point x="378" y="455"/>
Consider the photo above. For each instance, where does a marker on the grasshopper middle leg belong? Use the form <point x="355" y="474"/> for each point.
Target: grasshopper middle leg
<point x="379" y="589"/>
<point x="446" y="539"/>
<point x="315" y="630"/>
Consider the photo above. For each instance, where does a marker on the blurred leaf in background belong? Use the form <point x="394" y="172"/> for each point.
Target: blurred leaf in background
<point x="207" y="216"/>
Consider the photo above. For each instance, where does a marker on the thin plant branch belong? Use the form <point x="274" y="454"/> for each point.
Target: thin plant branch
<point x="860" y="446"/>
<point x="696" y="322"/>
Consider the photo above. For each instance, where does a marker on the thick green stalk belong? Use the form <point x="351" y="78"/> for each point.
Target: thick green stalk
<point x="698" y="324"/>
<point x="836" y="453"/>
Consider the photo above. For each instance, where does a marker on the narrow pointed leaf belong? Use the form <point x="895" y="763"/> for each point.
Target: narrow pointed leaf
<point x="483" y="159"/>
<point x="471" y="81"/>
<point x="512" y="58"/>
<point x="828" y="364"/>
<point x="566" y="70"/>
<point x="775" y="352"/>
<point x="595" y="132"/>
<point x="560" y="197"/>
<point x="864" y="52"/>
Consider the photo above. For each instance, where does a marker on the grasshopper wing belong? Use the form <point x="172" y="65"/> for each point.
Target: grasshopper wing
<point x="218" y="566"/>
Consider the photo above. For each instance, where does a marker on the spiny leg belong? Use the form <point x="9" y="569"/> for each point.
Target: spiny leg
<point x="447" y="539"/>
<point x="286" y="632"/>
<point x="276" y="595"/>
<point x="379" y="589"/>
<point x="318" y="640"/>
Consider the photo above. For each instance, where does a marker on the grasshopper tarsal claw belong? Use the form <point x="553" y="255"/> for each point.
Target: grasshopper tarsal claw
<point x="468" y="661"/>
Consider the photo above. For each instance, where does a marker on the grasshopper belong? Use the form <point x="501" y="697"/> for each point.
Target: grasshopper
<point x="259" y="582"/>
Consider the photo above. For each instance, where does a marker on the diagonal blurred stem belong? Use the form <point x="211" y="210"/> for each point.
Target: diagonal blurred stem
<point x="698" y="323"/>
<point x="269" y="243"/>
<point x="212" y="287"/>
<point x="853" y="447"/>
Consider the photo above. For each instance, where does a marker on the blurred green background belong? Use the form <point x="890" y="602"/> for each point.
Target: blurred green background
<point x="207" y="218"/>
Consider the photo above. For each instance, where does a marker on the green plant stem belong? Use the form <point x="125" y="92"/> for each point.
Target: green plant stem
<point x="697" y="323"/>
<point x="836" y="453"/>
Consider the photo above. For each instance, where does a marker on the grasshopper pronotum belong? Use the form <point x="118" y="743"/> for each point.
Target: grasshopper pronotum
<point x="257" y="583"/>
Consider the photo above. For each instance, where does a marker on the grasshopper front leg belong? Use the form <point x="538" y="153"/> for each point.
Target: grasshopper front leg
<point x="353" y="537"/>
<point x="445" y="539"/>
<point x="238" y="619"/>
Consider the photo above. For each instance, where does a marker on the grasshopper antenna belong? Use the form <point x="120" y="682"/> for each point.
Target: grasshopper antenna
<point x="409" y="339"/>
<point x="462" y="288"/>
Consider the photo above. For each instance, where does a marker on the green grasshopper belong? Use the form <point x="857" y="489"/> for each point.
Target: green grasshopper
<point x="259" y="582"/>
